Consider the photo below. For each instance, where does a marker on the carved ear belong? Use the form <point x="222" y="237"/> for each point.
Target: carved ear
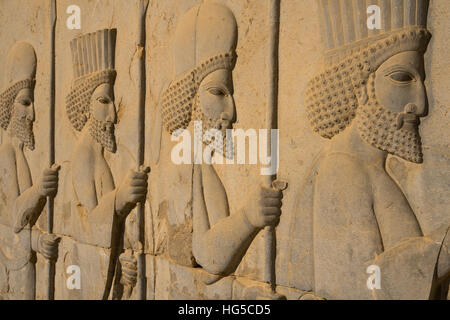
<point x="361" y="95"/>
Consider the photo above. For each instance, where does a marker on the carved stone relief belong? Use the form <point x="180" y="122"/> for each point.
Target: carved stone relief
<point x="362" y="125"/>
<point x="22" y="200"/>
<point x="369" y="102"/>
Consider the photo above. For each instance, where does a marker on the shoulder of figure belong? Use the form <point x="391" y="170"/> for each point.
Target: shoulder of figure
<point x="82" y="163"/>
<point x="7" y="156"/>
<point x="343" y="171"/>
<point x="82" y="155"/>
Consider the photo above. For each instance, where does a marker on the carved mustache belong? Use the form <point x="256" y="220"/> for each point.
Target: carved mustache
<point x="223" y="124"/>
<point x="22" y="116"/>
<point x="408" y="117"/>
<point x="107" y="126"/>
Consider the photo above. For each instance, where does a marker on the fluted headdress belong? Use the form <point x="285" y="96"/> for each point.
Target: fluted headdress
<point x="205" y="41"/>
<point x="93" y="65"/>
<point x="353" y="52"/>
<point x="20" y="74"/>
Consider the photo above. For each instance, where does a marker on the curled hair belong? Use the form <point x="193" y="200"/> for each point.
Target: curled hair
<point x="7" y="99"/>
<point x="177" y="100"/>
<point x="330" y="97"/>
<point x="79" y="97"/>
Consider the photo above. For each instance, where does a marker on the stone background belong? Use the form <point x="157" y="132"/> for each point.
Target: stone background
<point x="169" y="200"/>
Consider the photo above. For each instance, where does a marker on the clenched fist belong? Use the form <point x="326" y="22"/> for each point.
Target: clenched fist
<point x="48" y="246"/>
<point x="129" y="269"/>
<point x="132" y="190"/>
<point x="265" y="207"/>
<point x="48" y="184"/>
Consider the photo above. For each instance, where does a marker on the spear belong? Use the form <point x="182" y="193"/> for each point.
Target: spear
<point x="50" y="265"/>
<point x="272" y="124"/>
<point x="140" y="213"/>
<point x="141" y="281"/>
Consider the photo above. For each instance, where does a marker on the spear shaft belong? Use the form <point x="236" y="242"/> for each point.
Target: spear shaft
<point x="140" y="213"/>
<point x="272" y="123"/>
<point x="50" y="265"/>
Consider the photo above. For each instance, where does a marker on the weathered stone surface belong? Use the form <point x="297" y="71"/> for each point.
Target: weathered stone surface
<point x="363" y="150"/>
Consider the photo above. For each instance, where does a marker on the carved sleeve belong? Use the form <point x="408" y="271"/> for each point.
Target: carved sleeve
<point x="96" y="227"/>
<point x="28" y="206"/>
<point x="218" y="248"/>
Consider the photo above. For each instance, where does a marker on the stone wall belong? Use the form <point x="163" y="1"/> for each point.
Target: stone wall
<point x="171" y="272"/>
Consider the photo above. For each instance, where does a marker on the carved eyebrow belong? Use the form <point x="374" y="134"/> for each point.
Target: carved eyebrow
<point x="102" y="94"/>
<point x="401" y="68"/>
<point x="103" y="97"/>
<point x="23" y="97"/>
<point x="216" y="85"/>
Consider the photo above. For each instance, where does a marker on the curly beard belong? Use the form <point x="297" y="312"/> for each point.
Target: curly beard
<point x="218" y="140"/>
<point x="103" y="133"/>
<point x="378" y="127"/>
<point x="22" y="128"/>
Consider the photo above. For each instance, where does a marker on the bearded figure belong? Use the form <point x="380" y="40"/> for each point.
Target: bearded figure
<point x="200" y="99"/>
<point x="98" y="207"/>
<point x="367" y="242"/>
<point x="21" y="201"/>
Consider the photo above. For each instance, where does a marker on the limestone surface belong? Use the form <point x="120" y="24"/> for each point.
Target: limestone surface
<point x="224" y="149"/>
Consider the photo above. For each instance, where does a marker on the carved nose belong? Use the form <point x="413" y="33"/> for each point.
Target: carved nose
<point x="422" y="102"/>
<point x="424" y="112"/>
<point x="112" y="115"/>
<point x="230" y="112"/>
<point x="31" y="115"/>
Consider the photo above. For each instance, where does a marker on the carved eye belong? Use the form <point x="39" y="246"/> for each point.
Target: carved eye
<point x="103" y="100"/>
<point x="25" y="102"/>
<point x="401" y="77"/>
<point x="216" y="92"/>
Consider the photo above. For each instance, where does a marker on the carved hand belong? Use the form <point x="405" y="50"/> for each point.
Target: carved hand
<point x="48" y="246"/>
<point x="265" y="207"/>
<point x="30" y="203"/>
<point x="48" y="184"/>
<point x="132" y="191"/>
<point x="129" y="269"/>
